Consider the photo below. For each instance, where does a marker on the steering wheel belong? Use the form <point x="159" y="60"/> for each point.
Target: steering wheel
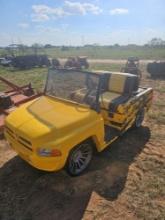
<point x="89" y="82"/>
<point x="85" y="99"/>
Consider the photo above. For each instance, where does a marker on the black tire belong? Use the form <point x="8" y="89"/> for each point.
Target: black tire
<point x="79" y="158"/>
<point x="139" y="118"/>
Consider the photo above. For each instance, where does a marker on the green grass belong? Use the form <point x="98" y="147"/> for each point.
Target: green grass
<point x="108" y="67"/>
<point x="101" y="52"/>
<point x="36" y="76"/>
<point x="110" y="53"/>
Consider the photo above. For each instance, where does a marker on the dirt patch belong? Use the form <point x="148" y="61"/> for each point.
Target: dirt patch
<point x="39" y="195"/>
<point x="6" y="153"/>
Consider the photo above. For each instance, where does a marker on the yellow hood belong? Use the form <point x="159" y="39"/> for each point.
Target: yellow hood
<point x="45" y="114"/>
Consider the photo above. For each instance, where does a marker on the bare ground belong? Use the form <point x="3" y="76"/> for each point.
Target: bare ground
<point x="124" y="182"/>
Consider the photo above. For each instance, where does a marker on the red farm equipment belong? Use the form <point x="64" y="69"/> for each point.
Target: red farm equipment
<point x="14" y="97"/>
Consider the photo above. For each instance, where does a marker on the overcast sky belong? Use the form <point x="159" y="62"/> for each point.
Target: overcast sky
<point x="77" y="22"/>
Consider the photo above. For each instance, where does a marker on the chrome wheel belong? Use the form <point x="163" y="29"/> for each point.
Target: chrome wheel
<point x="79" y="159"/>
<point x="139" y="118"/>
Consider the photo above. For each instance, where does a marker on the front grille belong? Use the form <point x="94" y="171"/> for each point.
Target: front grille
<point x="10" y="132"/>
<point x="21" y="140"/>
<point x="24" y="140"/>
<point x="29" y="148"/>
<point x="9" y="129"/>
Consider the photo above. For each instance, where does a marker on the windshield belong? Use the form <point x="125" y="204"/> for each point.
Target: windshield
<point x="72" y="85"/>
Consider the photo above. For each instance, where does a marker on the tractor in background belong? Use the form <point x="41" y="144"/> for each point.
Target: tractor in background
<point x="77" y="62"/>
<point x="132" y="66"/>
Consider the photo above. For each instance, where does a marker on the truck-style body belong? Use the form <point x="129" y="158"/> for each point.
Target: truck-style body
<point x="80" y="111"/>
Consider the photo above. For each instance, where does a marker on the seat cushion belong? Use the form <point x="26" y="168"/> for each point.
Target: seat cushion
<point x="116" y="83"/>
<point x="111" y="101"/>
<point x="106" y="98"/>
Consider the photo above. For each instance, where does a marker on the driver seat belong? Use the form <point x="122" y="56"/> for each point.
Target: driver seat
<point x="80" y="94"/>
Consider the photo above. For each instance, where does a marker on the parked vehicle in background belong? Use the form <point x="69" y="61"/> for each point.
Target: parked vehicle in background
<point x="77" y="62"/>
<point x="132" y="66"/>
<point x="55" y="63"/>
<point x="5" y="62"/>
<point x="156" y="69"/>
<point x="1" y="59"/>
<point x="30" y="61"/>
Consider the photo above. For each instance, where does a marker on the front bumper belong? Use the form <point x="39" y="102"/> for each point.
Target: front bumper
<point x="41" y="163"/>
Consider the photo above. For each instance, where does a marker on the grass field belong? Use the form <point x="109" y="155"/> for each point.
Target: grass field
<point x="102" y="52"/>
<point x="110" y="53"/>
<point x="38" y="75"/>
<point x="126" y="181"/>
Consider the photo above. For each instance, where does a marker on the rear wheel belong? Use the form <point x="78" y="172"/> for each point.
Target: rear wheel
<point x="139" y="118"/>
<point x="79" y="159"/>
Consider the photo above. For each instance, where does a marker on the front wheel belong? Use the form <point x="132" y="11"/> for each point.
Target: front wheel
<point x="139" y="118"/>
<point x="79" y="159"/>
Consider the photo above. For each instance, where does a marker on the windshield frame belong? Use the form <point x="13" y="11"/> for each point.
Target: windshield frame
<point x="96" y="105"/>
